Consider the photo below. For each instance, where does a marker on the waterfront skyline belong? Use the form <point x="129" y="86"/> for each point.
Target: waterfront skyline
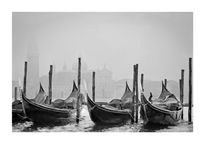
<point x="160" y="43"/>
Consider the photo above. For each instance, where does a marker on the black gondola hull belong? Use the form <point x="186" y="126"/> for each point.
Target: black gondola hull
<point x="17" y="112"/>
<point x="155" y="115"/>
<point x="42" y="114"/>
<point x="103" y="116"/>
<point x="17" y="115"/>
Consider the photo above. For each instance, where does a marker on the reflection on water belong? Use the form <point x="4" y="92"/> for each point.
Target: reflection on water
<point x="87" y="125"/>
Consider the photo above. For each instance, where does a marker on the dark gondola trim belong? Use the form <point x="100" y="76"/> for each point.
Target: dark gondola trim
<point x="105" y="109"/>
<point x="44" y="106"/>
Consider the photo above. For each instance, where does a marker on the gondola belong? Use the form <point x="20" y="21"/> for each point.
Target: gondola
<point x="45" y="114"/>
<point x="165" y="110"/>
<point x="17" y="111"/>
<point x="107" y="115"/>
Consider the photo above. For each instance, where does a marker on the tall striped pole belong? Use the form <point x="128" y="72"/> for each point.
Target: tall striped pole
<point x="182" y="91"/>
<point x="93" y="86"/>
<point x="15" y="94"/>
<point x="78" y="97"/>
<point x="142" y="81"/>
<point x="137" y="97"/>
<point x="50" y="84"/>
<point x="24" y="85"/>
<point x="133" y="97"/>
<point x="25" y="78"/>
<point x="190" y="91"/>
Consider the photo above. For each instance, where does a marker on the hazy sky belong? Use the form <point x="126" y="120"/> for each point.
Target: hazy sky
<point x="160" y="43"/>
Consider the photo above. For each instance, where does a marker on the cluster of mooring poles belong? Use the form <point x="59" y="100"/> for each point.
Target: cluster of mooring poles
<point x="135" y="99"/>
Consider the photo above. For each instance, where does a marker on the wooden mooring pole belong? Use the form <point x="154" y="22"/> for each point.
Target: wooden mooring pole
<point x="15" y="94"/>
<point x="182" y="91"/>
<point x="50" y="84"/>
<point x="142" y="85"/>
<point x="137" y="97"/>
<point x="180" y="94"/>
<point x="25" y="77"/>
<point x="79" y="73"/>
<point x="133" y="98"/>
<point x="142" y="81"/>
<point x="78" y="97"/>
<point x="93" y="86"/>
<point x="24" y="85"/>
<point x="190" y="91"/>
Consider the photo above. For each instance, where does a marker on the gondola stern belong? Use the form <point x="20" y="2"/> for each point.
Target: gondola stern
<point x="127" y="88"/>
<point x="90" y="103"/>
<point x="74" y="87"/>
<point x="41" y="88"/>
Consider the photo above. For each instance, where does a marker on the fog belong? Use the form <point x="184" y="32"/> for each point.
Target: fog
<point x="160" y="43"/>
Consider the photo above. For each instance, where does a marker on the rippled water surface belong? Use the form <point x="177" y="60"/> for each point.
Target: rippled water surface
<point x="86" y="125"/>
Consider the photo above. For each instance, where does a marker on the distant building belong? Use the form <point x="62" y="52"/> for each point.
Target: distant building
<point x="104" y="84"/>
<point x="61" y="84"/>
<point x="63" y="81"/>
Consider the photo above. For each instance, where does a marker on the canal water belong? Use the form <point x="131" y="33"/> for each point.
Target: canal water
<point x="86" y="125"/>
